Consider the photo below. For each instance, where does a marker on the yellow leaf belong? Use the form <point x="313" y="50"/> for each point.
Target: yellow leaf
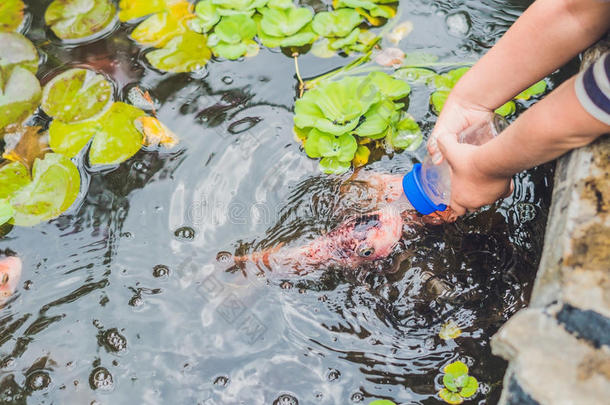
<point x="155" y="133"/>
<point x="362" y="156"/>
<point x="301" y="134"/>
<point x="450" y="330"/>
<point x="158" y="29"/>
<point x="400" y="31"/>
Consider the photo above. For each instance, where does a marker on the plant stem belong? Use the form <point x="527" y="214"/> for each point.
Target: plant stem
<point x="295" y="55"/>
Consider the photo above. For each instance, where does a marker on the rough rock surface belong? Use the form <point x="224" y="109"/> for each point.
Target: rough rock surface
<point x="559" y="348"/>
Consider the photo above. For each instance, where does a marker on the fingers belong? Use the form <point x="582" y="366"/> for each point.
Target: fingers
<point x="445" y="143"/>
<point x="510" y="189"/>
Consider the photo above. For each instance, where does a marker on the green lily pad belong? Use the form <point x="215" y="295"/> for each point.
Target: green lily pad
<point x="376" y="119"/>
<point x="73" y="19"/>
<point x="389" y="86"/>
<point x="234" y="29"/>
<point x="333" y="166"/>
<point x="158" y="29"/>
<point x="115" y="136"/>
<point x="438" y="99"/>
<point x="51" y="190"/>
<point x="184" y="53"/>
<point x="382" y="402"/>
<point x="449" y="397"/>
<point x="132" y="9"/>
<point x="76" y="94"/>
<point x="506" y="109"/>
<point x="207" y="17"/>
<point x="469" y="388"/>
<point x="11" y="14"/>
<point x="337" y="23"/>
<point x="17" y="50"/>
<point x="19" y="96"/>
<point x="6" y="211"/>
<point x="456" y="369"/>
<point x="407" y="135"/>
<point x="284" y="22"/>
<point x="534" y="90"/>
<point x="415" y="75"/>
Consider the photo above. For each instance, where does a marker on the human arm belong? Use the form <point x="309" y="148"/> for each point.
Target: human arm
<point x="547" y="35"/>
<point x="553" y="126"/>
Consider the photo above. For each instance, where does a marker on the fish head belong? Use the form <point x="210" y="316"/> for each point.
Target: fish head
<point x="367" y="237"/>
<point x="10" y="274"/>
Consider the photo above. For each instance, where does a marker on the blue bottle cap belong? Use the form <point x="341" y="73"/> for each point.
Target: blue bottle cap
<point x="411" y="185"/>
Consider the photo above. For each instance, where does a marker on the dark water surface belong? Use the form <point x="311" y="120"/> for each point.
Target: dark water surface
<point x="124" y="297"/>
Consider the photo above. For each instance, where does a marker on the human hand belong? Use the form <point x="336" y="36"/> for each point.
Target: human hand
<point x="457" y="115"/>
<point x="471" y="187"/>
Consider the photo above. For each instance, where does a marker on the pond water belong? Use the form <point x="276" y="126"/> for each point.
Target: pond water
<point x="124" y="297"/>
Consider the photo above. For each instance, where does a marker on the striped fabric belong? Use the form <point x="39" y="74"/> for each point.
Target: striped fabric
<point x="593" y="88"/>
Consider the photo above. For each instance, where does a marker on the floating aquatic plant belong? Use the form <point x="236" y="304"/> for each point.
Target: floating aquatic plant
<point x="11" y="14"/>
<point x="233" y="37"/>
<point x="331" y="117"/>
<point x="50" y="189"/>
<point x="450" y="330"/>
<point x="458" y="384"/>
<point x="20" y="90"/>
<point x="74" y="19"/>
<point x="445" y="82"/>
<point x="76" y="94"/>
<point x="285" y="27"/>
<point x="166" y="27"/>
<point x="382" y="402"/>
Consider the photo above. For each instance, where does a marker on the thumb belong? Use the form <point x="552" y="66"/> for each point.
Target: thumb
<point x="447" y="144"/>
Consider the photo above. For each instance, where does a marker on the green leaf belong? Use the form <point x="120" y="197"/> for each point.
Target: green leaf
<point x="19" y="96"/>
<point x="320" y="144"/>
<point x="184" y="53"/>
<point x="11" y="15"/>
<point x="533" y="90"/>
<point x="449" y="382"/>
<point x="281" y="4"/>
<point x="76" y="94"/>
<point x="388" y="86"/>
<point x="282" y="23"/>
<point x="115" y="136"/>
<point x="230" y="51"/>
<point x="382" y="402"/>
<point x="376" y="119"/>
<point x="337" y="23"/>
<point x="361" y="157"/>
<point x="132" y="9"/>
<point x="457" y="368"/>
<point x="322" y="49"/>
<point x="438" y="99"/>
<point x="160" y="28"/>
<point x="470" y="387"/>
<point x="52" y="189"/>
<point x="415" y="75"/>
<point x="407" y="135"/>
<point x="234" y="29"/>
<point x="419" y="59"/>
<point x="333" y="166"/>
<point x="17" y="50"/>
<point x="450" y="330"/>
<point x="448" y="80"/>
<point x="351" y="39"/>
<point x="230" y="7"/>
<point x="506" y="109"/>
<point x="6" y="211"/>
<point x="207" y="16"/>
<point x="73" y="19"/>
<point x="450" y="397"/>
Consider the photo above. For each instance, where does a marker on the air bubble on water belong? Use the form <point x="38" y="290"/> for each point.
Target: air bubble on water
<point x="458" y="24"/>
<point x="185" y="233"/>
<point x="223" y="257"/>
<point x="113" y="341"/>
<point x="38" y="380"/>
<point x="357" y="397"/>
<point x="160" y="271"/>
<point x="286" y="399"/>
<point x="333" y="374"/>
<point x="101" y="379"/>
<point x="227" y="80"/>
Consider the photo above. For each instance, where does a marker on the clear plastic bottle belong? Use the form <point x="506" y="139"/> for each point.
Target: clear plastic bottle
<point x="428" y="186"/>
